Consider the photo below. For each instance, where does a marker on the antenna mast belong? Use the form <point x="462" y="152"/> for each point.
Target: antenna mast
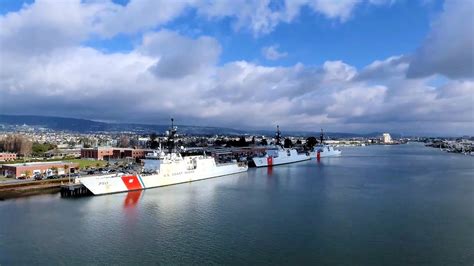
<point x="171" y="134"/>
<point x="278" y="136"/>
<point x="321" y="136"/>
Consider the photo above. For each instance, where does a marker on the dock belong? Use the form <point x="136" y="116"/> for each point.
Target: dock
<point x="74" y="190"/>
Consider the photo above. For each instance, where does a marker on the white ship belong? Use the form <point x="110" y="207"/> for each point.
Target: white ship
<point x="324" y="150"/>
<point x="162" y="170"/>
<point x="278" y="155"/>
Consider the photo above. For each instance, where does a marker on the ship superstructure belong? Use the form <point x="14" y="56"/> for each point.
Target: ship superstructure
<point x="277" y="154"/>
<point x="324" y="150"/>
<point x="163" y="169"/>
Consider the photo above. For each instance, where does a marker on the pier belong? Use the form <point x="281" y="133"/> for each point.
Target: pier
<point x="74" y="190"/>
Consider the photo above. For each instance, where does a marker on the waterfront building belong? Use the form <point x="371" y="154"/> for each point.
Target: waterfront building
<point x="387" y="138"/>
<point x="99" y="153"/>
<point x="106" y="153"/>
<point x="7" y="156"/>
<point x="30" y="169"/>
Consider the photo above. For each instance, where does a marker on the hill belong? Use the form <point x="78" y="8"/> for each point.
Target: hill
<point x="90" y="126"/>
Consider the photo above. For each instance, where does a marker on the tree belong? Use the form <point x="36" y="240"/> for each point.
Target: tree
<point x="311" y="142"/>
<point x="288" y="143"/>
<point x="17" y="144"/>
<point x="66" y="169"/>
<point x="71" y="144"/>
<point x="124" y="141"/>
<point x="39" y="149"/>
<point x="253" y="140"/>
<point x="134" y="143"/>
<point x="264" y="142"/>
<point x="298" y="142"/>
<point x="27" y="173"/>
<point x="54" y="169"/>
<point x="241" y="142"/>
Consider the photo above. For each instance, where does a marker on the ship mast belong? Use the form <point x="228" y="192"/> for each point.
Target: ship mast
<point x="321" y="136"/>
<point x="278" y="136"/>
<point x="171" y="134"/>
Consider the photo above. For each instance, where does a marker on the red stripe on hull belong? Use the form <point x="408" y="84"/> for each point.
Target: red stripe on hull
<point x="131" y="182"/>
<point x="270" y="161"/>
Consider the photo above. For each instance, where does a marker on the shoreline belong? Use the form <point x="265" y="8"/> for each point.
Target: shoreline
<point x="30" y="188"/>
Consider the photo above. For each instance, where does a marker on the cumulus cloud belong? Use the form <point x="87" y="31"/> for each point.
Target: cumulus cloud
<point x="180" y="56"/>
<point x="271" y="52"/>
<point x="125" y="87"/>
<point x="43" y="26"/>
<point x="138" y="15"/>
<point x="334" y="9"/>
<point x="383" y="69"/>
<point x="75" y="20"/>
<point x="261" y="17"/>
<point x="449" y="47"/>
<point x="168" y="74"/>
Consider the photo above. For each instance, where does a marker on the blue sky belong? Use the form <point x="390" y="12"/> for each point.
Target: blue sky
<point x="346" y="65"/>
<point x="375" y="33"/>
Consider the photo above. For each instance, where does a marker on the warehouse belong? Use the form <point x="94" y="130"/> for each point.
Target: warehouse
<point x="30" y="169"/>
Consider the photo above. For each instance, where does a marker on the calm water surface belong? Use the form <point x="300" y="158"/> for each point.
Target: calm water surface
<point x="394" y="205"/>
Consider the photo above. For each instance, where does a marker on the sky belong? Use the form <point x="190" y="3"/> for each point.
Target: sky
<point x="399" y="66"/>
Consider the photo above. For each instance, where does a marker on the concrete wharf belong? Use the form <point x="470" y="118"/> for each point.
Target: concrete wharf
<point x="74" y="190"/>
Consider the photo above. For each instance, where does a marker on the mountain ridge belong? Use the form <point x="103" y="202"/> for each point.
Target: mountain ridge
<point x="81" y="125"/>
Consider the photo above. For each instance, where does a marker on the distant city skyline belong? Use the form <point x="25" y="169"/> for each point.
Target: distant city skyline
<point x="346" y="66"/>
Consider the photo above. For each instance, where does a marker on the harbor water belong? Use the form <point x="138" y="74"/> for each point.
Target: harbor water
<point x="376" y="205"/>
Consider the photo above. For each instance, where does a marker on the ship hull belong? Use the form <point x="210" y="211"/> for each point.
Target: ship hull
<point x="100" y="185"/>
<point x="272" y="161"/>
<point x="325" y="152"/>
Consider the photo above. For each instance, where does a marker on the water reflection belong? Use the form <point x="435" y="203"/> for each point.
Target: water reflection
<point x="132" y="199"/>
<point x="373" y="201"/>
<point x="269" y="170"/>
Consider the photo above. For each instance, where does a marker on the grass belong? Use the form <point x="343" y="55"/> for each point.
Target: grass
<point x="83" y="163"/>
<point x="4" y="178"/>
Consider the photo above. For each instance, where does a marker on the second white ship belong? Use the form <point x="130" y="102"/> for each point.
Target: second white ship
<point x="323" y="150"/>
<point x="278" y="155"/>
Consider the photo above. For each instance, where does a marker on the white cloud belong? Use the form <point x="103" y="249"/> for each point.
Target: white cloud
<point x="271" y="52"/>
<point x="260" y="18"/>
<point x="178" y="55"/>
<point x="449" y="47"/>
<point x="390" y="67"/>
<point x="43" y="26"/>
<point x="334" y="9"/>
<point x="253" y="15"/>
<point x="73" y="21"/>
<point x="83" y="82"/>
<point x="170" y="74"/>
<point x="138" y="15"/>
